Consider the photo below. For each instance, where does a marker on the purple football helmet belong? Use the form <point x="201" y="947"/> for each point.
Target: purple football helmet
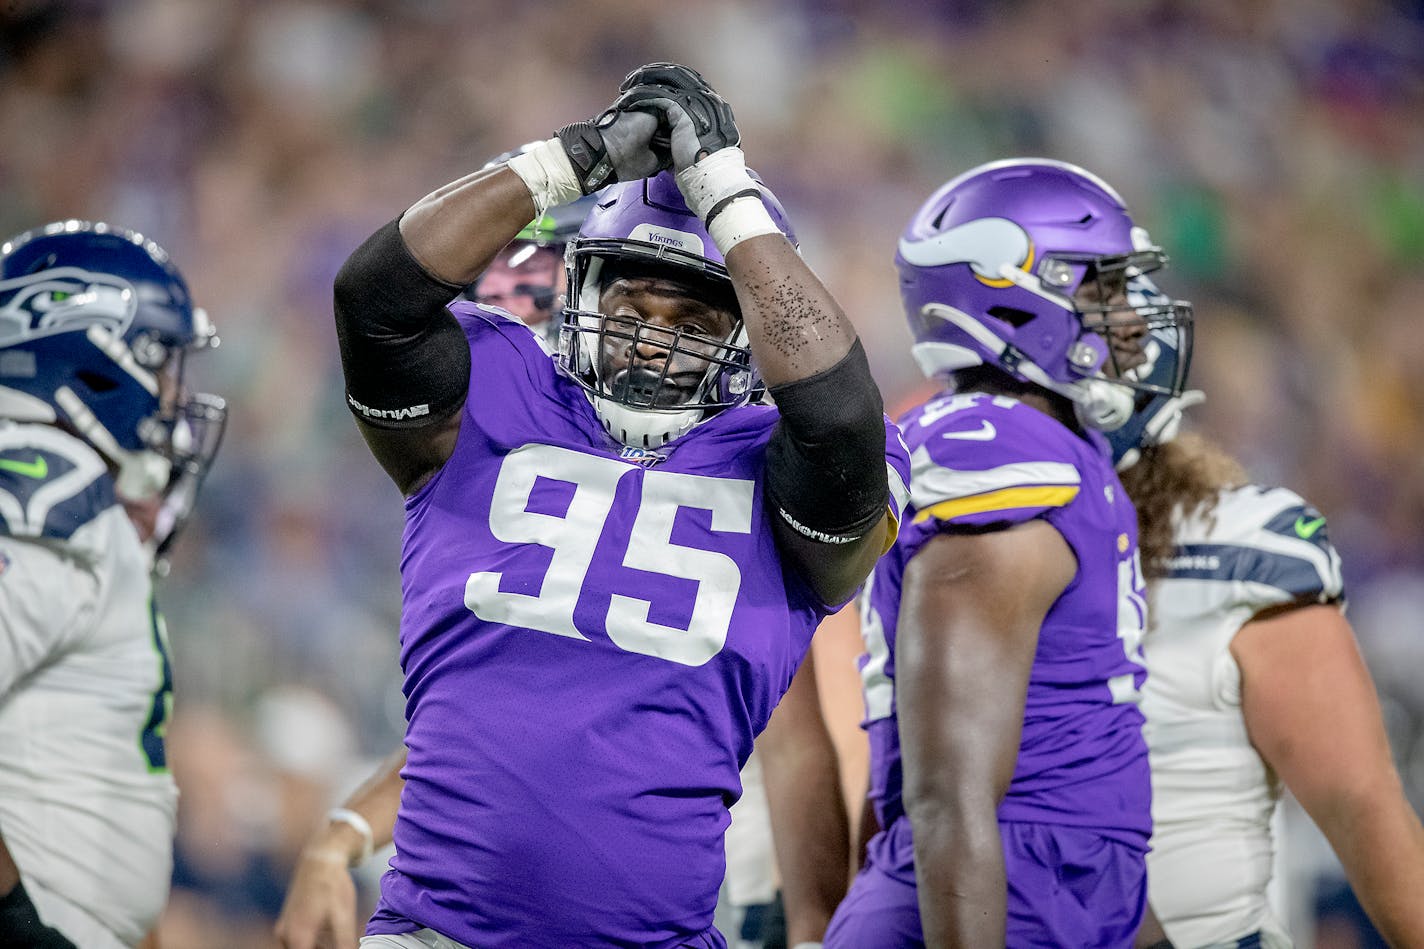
<point x="644" y="227"/>
<point x="1023" y="265"/>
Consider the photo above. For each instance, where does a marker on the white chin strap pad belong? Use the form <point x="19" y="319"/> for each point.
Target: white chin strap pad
<point x="1102" y="405"/>
<point x="637" y="428"/>
<point x="1163" y="426"/>
<point x="142" y="476"/>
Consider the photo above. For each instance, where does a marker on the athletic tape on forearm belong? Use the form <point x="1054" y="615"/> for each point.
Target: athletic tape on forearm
<point x="707" y="187"/>
<point x="547" y="172"/>
<point x="740" y="220"/>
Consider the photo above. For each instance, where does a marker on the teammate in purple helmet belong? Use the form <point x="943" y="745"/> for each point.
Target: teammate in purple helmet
<point x="614" y="557"/>
<point x="1002" y="675"/>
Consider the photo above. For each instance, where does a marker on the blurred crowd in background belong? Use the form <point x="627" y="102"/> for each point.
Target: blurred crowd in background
<point x="1274" y="147"/>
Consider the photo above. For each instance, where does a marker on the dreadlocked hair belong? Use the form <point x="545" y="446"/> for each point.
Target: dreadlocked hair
<point x="1179" y="479"/>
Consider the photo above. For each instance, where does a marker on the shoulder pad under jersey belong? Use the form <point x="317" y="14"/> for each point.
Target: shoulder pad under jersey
<point x="977" y="458"/>
<point x="1267" y="538"/>
<point x="51" y="483"/>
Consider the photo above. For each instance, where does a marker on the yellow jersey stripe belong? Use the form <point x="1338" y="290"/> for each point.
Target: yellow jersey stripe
<point x="1054" y="496"/>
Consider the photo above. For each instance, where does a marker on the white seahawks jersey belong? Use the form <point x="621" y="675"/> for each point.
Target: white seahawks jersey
<point x="87" y="804"/>
<point x="1213" y="796"/>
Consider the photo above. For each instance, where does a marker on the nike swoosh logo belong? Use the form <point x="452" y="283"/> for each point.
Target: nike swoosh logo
<point x="26" y="469"/>
<point x="1306" y="529"/>
<point x="983" y="433"/>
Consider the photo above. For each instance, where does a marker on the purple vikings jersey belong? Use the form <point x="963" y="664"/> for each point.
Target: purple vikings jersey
<point x="979" y="461"/>
<point x="592" y="636"/>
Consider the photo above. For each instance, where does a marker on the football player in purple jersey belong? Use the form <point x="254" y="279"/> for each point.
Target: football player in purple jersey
<point x="1002" y="675"/>
<point x="614" y="557"/>
<point x="526" y="280"/>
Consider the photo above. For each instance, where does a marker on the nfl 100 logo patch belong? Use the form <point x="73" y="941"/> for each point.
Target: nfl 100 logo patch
<point x="642" y="456"/>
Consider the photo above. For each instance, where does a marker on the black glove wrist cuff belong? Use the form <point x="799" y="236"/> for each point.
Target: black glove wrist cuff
<point x="583" y="143"/>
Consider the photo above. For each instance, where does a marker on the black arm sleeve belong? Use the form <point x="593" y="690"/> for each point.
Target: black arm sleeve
<point x="405" y="357"/>
<point x="825" y="463"/>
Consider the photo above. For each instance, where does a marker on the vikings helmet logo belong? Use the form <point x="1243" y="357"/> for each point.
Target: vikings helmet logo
<point x="988" y="245"/>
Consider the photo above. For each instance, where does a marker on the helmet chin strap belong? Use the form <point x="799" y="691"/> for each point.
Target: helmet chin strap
<point x="1098" y="402"/>
<point x="638" y="428"/>
<point x="1162" y="427"/>
<point x="1101" y="404"/>
<point x="142" y="474"/>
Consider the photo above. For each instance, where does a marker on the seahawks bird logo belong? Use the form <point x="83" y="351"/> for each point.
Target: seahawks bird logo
<point x="61" y="299"/>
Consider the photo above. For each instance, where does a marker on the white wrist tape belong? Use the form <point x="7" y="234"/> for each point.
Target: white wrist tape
<point x="344" y="815"/>
<point x="742" y="219"/>
<point x="719" y="185"/>
<point x="547" y="172"/>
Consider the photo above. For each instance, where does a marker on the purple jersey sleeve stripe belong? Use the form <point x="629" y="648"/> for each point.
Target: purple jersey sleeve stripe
<point x="899" y="500"/>
<point x="1006" y="499"/>
<point x="897" y="471"/>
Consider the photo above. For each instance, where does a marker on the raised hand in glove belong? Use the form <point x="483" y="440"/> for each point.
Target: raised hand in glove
<point x="582" y="157"/>
<point x="694" y="121"/>
<point x="615" y="146"/>
<point x="703" y="145"/>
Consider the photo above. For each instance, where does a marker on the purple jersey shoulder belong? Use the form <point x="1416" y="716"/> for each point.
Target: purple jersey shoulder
<point x="980" y="460"/>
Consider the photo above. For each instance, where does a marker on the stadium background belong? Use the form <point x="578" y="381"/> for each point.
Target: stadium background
<point x="1275" y="147"/>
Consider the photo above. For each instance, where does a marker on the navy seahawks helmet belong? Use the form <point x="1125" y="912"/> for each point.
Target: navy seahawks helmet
<point x="95" y="326"/>
<point x="1157" y="410"/>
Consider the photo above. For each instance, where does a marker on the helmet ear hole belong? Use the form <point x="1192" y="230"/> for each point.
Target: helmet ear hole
<point x="1011" y="316"/>
<point x="96" y="382"/>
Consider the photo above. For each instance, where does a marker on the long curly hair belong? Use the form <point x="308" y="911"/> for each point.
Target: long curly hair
<point x="1178" y="479"/>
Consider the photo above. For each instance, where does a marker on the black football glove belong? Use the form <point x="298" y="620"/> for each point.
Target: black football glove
<point x="693" y="120"/>
<point x="615" y="146"/>
<point x="20" y="926"/>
